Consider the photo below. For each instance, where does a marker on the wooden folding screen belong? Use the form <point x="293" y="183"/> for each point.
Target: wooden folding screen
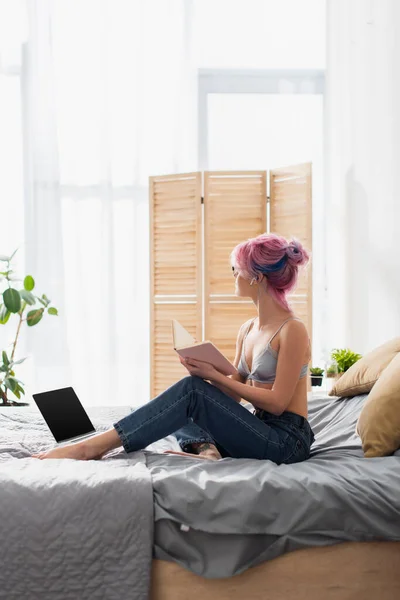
<point x="176" y="270"/>
<point x="235" y="209"/>
<point x="191" y="276"/>
<point x="291" y="215"/>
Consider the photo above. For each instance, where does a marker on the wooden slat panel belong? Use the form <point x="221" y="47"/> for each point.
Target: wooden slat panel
<point x="224" y="322"/>
<point x="291" y="215"/>
<point x="167" y="368"/>
<point x="234" y="211"/>
<point x="175" y="270"/>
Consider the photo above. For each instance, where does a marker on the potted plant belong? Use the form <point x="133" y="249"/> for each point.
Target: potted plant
<point x="332" y="370"/>
<point x="344" y="358"/>
<point x="316" y="375"/>
<point x="14" y="302"/>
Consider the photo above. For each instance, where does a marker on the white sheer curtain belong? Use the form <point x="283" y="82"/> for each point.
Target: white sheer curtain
<point x="363" y="157"/>
<point x="107" y="91"/>
<point x="109" y="95"/>
<point x="13" y="33"/>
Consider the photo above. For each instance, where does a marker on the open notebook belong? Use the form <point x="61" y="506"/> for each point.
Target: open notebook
<point x="187" y="347"/>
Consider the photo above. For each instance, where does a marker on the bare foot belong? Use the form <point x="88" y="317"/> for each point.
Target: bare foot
<point x="202" y="455"/>
<point x="75" y="451"/>
<point x="92" y="449"/>
<point x="210" y="454"/>
<point x="202" y="450"/>
<point x="207" y="450"/>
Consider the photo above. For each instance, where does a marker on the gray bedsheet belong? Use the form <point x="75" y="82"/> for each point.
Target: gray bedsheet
<point x="71" y="529"/>
<point x="219" y="518"/>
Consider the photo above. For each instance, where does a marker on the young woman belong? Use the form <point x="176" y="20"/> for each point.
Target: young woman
<point x="203" y="409"/>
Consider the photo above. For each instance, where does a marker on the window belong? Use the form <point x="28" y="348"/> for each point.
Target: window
<point x="260" y="119"/>
<point x="265" y="119"/>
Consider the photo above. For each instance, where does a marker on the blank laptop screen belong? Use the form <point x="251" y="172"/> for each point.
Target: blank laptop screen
<point x="63" y="413"/>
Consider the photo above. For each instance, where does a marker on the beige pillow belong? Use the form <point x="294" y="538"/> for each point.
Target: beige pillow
<point x="379" y="422"/>
<point x="361" y="376"/>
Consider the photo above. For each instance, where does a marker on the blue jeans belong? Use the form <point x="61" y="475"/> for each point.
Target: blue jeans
<point x="195" y="411"/>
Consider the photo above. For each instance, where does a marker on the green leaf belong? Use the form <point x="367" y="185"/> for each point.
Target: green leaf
<point x="28" y="297"/>
<point x="18" y="362"/>
<point x="45" y="298"/>
<point x="18" y="391"/>
<point x="4" y="314"/>
<point x="12" y="300"/>
<point x="11" y="383"/>
<point x="6" y="362"/>
<point x="344" y="358"/>
<point x="3" y="369"/>
<point x="5" y="258"/>
<point x="316" y="371"/>
<point x="29" y="283"/>
<point x="34" y="316"/>
<point x="52" y="310"/>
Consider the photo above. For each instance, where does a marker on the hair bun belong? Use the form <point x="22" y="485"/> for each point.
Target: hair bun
<point x="297" y="255"/>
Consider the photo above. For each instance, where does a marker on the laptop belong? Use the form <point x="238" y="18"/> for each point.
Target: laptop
<point x="64" y="415"/>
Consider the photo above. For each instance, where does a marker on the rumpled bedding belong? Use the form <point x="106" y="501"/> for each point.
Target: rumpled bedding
<point x="71" y="530"/>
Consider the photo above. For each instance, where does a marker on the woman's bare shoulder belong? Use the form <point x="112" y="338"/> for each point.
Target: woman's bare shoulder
<point x="297" y="324"/>
<point x="295" y="333"/>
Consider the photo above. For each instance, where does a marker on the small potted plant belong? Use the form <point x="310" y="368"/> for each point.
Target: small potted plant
<point x="344" y="358"/>
<point x="332" y="370"/>
<point x="14" y="302"/>
<point x="316" y="376"/>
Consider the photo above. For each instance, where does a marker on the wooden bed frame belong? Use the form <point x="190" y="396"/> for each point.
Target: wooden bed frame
<point x="346" y="571"/>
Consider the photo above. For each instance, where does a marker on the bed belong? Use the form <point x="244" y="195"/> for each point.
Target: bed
<point x="326" y="528"/>
<point x="71" y="530"/>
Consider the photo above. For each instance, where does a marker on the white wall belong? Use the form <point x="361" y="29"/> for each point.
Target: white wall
<point x="362" y="172"/>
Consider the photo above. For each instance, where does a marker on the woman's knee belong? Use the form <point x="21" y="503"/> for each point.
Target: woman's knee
<point x="193" y="380"/>
<point x="201" y="389"/>
<point x="194" y="383"/>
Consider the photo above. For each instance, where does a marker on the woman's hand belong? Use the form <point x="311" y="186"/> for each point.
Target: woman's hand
<point x="200" y="368"/>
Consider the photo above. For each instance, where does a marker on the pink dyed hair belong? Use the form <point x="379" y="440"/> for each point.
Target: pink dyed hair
<point x="273" y="256"/>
